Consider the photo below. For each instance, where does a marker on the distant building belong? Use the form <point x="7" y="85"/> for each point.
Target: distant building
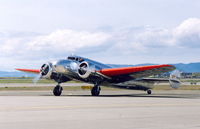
<point x="186" y="75"/>
<point x="183" y="75"/>
<point x="164" y="75"/>
<point x="196" y="75"/>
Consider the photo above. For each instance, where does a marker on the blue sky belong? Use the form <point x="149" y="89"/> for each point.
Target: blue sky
<point x="115" y="31"/>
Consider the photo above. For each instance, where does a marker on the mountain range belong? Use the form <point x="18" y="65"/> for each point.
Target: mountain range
<point x="187" y="68"/>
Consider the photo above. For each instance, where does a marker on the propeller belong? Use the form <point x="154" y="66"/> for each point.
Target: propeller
<point x="83" y="69"/>
<point x="45" y="71"/>
<point x="37" y="78"/>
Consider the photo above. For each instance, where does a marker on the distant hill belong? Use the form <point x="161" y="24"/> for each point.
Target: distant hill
<point x="189" y="68"/>
<point x="15" y="74"/>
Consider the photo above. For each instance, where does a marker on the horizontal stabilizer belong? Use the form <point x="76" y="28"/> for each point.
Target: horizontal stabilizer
<point x="174" y="79"/>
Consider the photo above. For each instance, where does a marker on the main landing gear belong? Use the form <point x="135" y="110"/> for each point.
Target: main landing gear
<point x="96" y="90"/>
<point x="149" y="91"/>
<point x="57" y="91"/>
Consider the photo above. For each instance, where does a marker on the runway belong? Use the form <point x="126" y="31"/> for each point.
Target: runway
<point x="64" y="84"/>
<point x="112" y="110"/>
<point x="41" y="84"/>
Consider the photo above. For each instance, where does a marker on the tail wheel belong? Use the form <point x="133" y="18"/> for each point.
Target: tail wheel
<point x="149" y="92"/>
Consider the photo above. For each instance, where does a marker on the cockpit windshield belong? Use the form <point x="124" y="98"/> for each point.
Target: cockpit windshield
<point x="71" y="58"/>
<point x="74" y="58"/>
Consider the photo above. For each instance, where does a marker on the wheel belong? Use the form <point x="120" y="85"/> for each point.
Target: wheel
<point x="95" y="91"/>
<point x="57" y="91"/>
<point x="149" y="92"/>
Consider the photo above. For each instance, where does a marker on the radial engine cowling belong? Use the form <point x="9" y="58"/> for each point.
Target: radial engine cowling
<point x="46" y="70"/>
<point x="84" y="70"/>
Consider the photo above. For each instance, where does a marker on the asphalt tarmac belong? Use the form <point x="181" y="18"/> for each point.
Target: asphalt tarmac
<point x="63" y="84"/>
<point x="121" y="109"/>
<point x="41" y="84"/>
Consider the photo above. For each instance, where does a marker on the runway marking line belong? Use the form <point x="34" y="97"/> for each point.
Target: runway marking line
<point x="92" y="106"/>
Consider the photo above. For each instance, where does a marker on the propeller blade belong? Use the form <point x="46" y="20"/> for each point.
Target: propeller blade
<point x="37" y="78"/>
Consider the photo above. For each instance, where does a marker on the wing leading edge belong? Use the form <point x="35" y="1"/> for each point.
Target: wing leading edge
<point x="138" y="71"/>
<point x="36" y="71"/>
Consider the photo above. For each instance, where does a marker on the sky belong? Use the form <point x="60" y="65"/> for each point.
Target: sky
<point x="33" y="32"/>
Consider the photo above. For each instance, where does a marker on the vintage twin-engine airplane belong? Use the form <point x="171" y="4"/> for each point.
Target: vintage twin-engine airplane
<point x="86" y="70"/>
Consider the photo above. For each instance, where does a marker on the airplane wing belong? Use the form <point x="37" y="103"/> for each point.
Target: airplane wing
<point x="138" y="71"/>
<point x="35" y="71"/>
<point x="135" y="72"/>
<point x="160" y="80"/>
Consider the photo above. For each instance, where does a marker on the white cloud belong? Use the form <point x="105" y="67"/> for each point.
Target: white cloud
<point x="188" y="27"/>
<point x="161" y="43"/>
<point x="187" y="34"/>
<point x="56" y="43"/>
<point x="68" y="40"/>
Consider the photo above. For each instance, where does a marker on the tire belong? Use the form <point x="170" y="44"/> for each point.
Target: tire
<point x="95" y="91"/>
<point x="57" y="91"/>
<point x="149" y="92"/>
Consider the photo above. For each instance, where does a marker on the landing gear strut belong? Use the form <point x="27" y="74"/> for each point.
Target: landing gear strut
<point x="96" y="90"/>
<point x="149" y="91"/>
<point x="57" y="91"/>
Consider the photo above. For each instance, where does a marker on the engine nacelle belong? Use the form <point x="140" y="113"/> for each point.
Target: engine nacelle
<point x="84" y="70"/>
<point x="46" y="70"/>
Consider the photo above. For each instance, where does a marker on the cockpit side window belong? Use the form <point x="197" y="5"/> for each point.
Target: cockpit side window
<point x="81" y="59"/>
